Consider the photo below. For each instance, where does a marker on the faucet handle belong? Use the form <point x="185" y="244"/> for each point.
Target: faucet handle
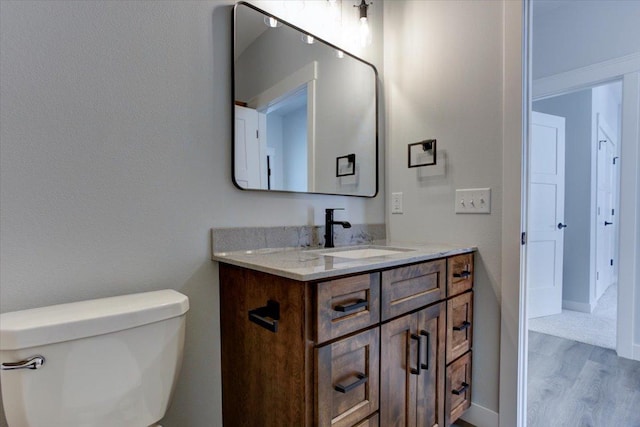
<point x="333" y="209"/>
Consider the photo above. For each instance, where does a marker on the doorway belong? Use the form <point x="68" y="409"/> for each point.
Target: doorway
<point x="607" y="405"/>
<point x="580" y="301"/>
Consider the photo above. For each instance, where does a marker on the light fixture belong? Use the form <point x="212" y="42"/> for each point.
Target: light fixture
<point x="339" y="54"/>
<point x="272" y="22"/>
<point x="308" y="39"/>
<point x="365" y="32"/>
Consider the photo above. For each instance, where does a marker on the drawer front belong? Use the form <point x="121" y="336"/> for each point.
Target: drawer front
<point x="459" y="325"/>
<point x="347" y="379"/>
<point x="409" y="288"/>
<point x="347" y="305"/>
<point x="373" y="421"/>
<point x="458" y="388"/>
<point x="460" y="274"/>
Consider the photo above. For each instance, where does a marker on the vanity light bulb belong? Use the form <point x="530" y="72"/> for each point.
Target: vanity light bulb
<point x="307" y="39"/>
<point x="365" y="32"/>
<point x="271" y="22"/>
<point x="339" y="54"/>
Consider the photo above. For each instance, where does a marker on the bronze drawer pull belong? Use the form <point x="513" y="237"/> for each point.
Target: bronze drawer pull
<point x="461" y="390"/>
<point x="362" y="378"/>
<point x="425" y="366"/>
<point x="347" y="308"/>
<point x="266" y="316"/>
<point x="416" y="370"/>
<point x="463" y="274"/>
<point x="462" y="327"/>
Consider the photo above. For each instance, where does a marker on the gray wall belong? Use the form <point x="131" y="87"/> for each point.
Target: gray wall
<point x="576" y="109"/>
<point x="444" y="80"/>
<point x="115" y="163"/>
<point x="580" y="33"/>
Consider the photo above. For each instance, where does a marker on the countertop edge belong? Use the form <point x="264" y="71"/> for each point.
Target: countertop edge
<point x="370" y="265"/>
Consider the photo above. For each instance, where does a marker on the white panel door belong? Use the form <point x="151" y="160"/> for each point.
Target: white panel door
<point x="545" y="215"/>
<point x="247" y="154"/>
<point x="605" y="213"/>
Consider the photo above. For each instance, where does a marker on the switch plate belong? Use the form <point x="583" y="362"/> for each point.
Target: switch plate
<point x="473" y="200"/>
<point x="396" y="203"/>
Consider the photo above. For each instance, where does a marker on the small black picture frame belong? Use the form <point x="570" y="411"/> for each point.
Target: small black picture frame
<point x="422" y="153"/>
<point x="346" y="165"/>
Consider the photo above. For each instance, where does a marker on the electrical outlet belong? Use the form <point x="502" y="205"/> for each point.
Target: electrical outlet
<point x="473" y="200"/>
<point x="396" y="203"/>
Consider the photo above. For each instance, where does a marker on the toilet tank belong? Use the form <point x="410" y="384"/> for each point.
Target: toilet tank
<point x="108" y="362"/>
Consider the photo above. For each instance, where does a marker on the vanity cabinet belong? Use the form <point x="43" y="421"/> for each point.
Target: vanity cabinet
<point x="367" y="349"/>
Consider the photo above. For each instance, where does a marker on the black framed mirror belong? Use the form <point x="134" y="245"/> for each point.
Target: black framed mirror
<point x="300" y="105"/>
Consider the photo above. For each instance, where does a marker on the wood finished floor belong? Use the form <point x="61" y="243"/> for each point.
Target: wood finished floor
<point x="572" y="384"/>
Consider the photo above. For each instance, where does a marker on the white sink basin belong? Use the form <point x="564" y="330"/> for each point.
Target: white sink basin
<point x="365" y="253"/>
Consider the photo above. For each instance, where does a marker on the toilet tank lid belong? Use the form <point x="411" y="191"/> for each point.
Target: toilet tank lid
<point x="64" y="322"/>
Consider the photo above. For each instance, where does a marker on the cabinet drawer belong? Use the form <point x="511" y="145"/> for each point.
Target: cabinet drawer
<point x="408" y="288"/>
<point x="373" y="421"/>
<point x="347" y="305"/>
<point x="460" y="274"/>
<point x="347" y="379"/>
<point x="459" y="325"/>
<point x="458" y="388"/>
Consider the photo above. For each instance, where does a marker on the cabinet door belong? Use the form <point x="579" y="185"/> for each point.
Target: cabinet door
<point x="430" y="391"/>
<point x="412" y="369"/>
<point x="347" y="379"/>
<point x="398" y="385"/>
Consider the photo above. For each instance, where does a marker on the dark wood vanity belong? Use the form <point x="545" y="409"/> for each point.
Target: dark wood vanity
<point x="384" y="347"/>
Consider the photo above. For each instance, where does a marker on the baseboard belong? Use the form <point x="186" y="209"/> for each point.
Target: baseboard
<point x="583" y="307"/>
<point x="480" y="416"/>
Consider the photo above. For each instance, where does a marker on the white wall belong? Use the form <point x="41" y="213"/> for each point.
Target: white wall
<point x="115" y="162"/>
<point x="444" y="80"/>
<point x="581" y="33"/>
<point x="576" y="109"/>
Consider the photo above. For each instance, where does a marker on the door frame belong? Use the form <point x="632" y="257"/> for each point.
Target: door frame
<point x="602" y="125"/>
<point x="517" y="97"/>
<point x="626" y="69"/>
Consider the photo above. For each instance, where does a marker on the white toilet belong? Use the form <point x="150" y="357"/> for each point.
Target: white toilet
<point x="110" y="362"/>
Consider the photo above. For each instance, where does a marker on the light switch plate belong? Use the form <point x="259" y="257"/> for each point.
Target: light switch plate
<point x="473" y="200"/>
<point x="396" y="203"/>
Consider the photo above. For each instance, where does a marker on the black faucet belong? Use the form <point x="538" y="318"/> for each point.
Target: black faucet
<point x="328" y="226"/>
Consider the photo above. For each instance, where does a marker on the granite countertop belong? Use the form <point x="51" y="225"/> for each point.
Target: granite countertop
<point x="306" y="264"/>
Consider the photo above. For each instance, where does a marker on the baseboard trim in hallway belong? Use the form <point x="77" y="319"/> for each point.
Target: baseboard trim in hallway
<point x="480" y="416"/>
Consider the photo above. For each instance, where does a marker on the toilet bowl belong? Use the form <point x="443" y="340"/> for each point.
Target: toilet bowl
<point x="98" y="363"/>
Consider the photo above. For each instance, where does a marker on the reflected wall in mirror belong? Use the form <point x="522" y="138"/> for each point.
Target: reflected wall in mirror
<point x="300" y="104"/>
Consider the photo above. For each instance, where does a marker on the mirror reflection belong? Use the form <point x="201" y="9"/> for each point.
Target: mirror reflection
<point x="305" y="112"/>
